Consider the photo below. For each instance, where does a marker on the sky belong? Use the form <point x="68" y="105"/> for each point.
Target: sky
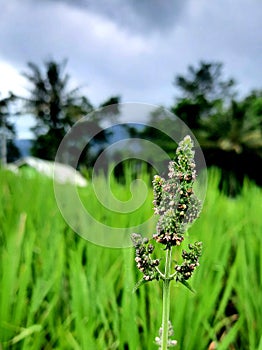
<point x="131" y="48"/>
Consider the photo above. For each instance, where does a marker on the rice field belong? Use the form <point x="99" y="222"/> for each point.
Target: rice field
<point x="59" y="291"/>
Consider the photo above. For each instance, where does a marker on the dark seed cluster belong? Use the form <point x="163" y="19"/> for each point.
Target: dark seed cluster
<point x="190" y="262"/>
<point x="177" y="206"/>
<point x="174" y="198"/>
<point x="143" y="259"/>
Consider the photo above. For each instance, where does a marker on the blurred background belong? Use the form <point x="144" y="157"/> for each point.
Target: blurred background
<point x="62" y="60"/>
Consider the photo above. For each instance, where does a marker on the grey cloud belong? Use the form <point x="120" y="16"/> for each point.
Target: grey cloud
<point x="135" y="15"/>
<point x="130" y="48"/>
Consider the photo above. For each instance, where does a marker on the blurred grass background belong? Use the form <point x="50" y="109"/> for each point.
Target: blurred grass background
<point x="59" y="291"/>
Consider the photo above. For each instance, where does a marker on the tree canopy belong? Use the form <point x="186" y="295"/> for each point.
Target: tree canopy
<point x="228" y="129"/>
<point x="55" y="106"/>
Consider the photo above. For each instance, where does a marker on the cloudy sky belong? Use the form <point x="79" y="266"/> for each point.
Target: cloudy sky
<point x="132" y="48"/>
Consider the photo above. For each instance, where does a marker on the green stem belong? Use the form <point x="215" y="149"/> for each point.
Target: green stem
<point x="166" y="300"/>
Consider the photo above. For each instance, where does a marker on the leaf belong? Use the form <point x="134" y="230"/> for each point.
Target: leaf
<point x="186" y="284"/>
<point x="138" y="284"/>
<point x="26" y="332"/>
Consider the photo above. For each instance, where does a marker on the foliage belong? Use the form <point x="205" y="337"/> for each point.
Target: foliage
<point x="55" y="107"/>
<point x="228" y="130"/>
<point x="233" y="141"/>
<point x="59" y="291"/>
<point x="203" y="91"/>
<point x="8" y="150"/>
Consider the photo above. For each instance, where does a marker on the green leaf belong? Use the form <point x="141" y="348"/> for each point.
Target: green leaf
<point x="186" y="284"/>
<point x="138" y="284"/>
<point x="26" y="332"/>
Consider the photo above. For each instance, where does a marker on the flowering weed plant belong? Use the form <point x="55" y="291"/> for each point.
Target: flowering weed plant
<point x="177" y="206"/>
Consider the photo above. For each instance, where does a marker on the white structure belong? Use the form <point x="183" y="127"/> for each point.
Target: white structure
<point x="61" y="173"/>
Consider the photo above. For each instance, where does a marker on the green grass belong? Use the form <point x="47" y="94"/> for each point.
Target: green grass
<point x="59" y="291"/>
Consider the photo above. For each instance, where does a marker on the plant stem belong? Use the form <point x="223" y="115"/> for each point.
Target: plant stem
<point x="166" y="301"/>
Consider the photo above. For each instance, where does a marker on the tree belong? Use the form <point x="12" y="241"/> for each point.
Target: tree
<point x="8" y="150"/>
<point x="203" y="92"/>
<point x="54" y="105"/>
<point x="228" y="130"/>
<point x="232" y="141"/>
<point x="206" y="80"/>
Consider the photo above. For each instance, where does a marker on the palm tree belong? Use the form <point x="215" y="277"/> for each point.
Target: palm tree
<point x="54" y="105"/>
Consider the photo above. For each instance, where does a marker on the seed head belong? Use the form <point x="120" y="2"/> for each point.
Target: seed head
<point x="174" y="198"/>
